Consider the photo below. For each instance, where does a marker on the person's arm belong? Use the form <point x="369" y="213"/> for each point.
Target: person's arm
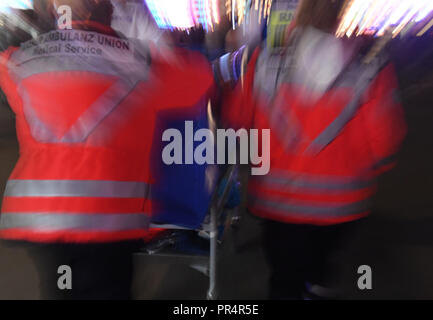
<point x="237" y="110"/>
<point x="5" y="82"/>
<point x="7" y="115"/>
<point x="384" y="119"/>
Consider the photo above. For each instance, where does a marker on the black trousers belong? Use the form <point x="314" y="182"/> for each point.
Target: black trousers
<point x="298" y="254"/>
<point x="99" y="271"/>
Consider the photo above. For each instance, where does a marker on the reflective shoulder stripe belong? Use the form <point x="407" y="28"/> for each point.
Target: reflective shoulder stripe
<point x="273" y="68"/>
<point x="97" y="112"/>
<point x="332" y="131"/>
<point x="39" y="130"/>
<point x="76" y="188"/>
<point x="283" y="122"/>
<point x="348" y="112"/>
<point x="49" y="222"/>
<point x="384" y="162"/>
<point x="87" y="122"/>
<point x="266" y="74"/>
<point x="311" y="209"/>
<point x="312" y="183"/>
<point x="69" y="63"/>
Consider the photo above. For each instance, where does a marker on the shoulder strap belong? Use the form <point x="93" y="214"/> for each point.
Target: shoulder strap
<point x="368" y="73"/>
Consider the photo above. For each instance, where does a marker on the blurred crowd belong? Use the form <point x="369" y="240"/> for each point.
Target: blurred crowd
<point x="88" y="126"/>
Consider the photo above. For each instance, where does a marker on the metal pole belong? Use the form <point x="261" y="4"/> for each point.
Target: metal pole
<point x="215" y="212"/>
<point x="213" y="233"/>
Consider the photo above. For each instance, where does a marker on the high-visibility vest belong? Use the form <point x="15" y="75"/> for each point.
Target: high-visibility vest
<point x="324" y="154"/>
<point x="86" y="105"/>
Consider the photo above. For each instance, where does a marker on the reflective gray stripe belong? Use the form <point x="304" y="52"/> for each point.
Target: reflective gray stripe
<point x="98" y="111"/>
<point x="47" y="64"/>
<point x="224" y="67"/>
<point x="76" y="188"/>
<point x="312" y="210"/>
<point x="271" y="70"/>
<point x="333" y="130"/>
<point x="87" y="123"/>
<point x="38" y="129"/>
<point x="348" y="112"/>
<point x="318" y="184"/>
<point x="167" y="226"/>
<point x="284" y="123"/>
<point x="384" y="162"/>
<point x="127" y="65"/>
<point x="75" y="222"/>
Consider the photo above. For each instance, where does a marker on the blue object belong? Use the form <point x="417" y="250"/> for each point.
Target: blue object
<point x="180" y="195"/>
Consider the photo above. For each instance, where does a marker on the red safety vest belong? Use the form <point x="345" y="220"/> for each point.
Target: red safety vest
<point x="325" y="154"/>
<point x="86" y="106"/>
